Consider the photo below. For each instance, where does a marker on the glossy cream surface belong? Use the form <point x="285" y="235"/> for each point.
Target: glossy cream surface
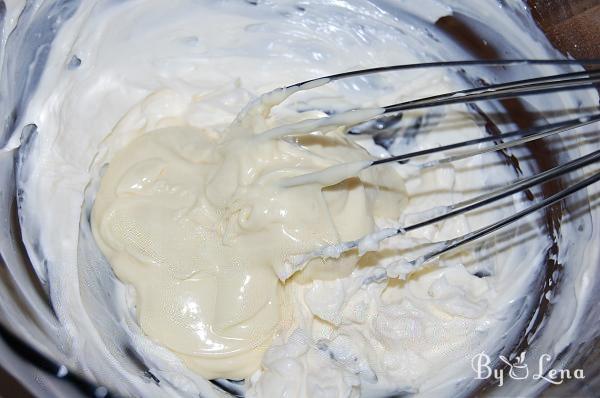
<point x="160" y="210"/>
<point x="201" y="224"/>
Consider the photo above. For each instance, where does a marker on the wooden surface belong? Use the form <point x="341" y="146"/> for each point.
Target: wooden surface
<point x="573" y="26"/>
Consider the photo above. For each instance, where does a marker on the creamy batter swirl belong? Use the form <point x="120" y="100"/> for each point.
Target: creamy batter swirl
<point x="200" y="223"/>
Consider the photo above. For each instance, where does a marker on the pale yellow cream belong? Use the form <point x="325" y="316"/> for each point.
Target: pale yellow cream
<point x="201" y="222"/>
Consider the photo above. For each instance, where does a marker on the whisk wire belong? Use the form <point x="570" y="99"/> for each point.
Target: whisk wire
<point x="514" y="62"/>
<point x="503" y="192"/>
<point x="452" y="244"/>
<point x="526" y="136"/>
<point x="519" y="88"/>
<point x="537" y="85"/>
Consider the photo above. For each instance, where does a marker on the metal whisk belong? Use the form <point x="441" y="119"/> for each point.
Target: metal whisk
<point x="539" y="85"/>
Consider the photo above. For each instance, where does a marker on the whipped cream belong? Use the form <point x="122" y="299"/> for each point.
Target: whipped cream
<point x="126" y="75"/>
<point x="198" y="222"/>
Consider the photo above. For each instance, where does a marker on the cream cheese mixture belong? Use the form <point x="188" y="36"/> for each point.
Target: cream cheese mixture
<point x="163" y="197"/>
<point x="201" y="225"/>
